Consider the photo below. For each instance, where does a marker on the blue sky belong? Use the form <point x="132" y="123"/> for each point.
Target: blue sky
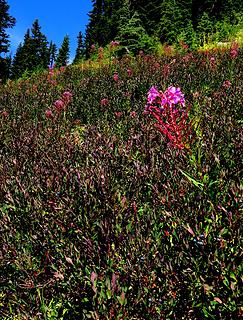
<point x="56" y="18"/>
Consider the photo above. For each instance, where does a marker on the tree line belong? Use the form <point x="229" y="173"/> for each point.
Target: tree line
<point x="136" y="25"/>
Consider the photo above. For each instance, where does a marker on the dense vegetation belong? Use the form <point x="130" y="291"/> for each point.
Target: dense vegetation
<point x="136" y="25"/>
<point x="102" y="215"/>
<point x="194" y="22"/>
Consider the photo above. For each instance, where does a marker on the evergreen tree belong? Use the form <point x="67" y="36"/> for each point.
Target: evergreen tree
<point x="171" y="23"/>
<point x="132" y="35"/>
<point x="204" y="28"/>
<point x="149" y="12"/>
<point x="40" y="46"/>
<point x="103" y="22"/>
<point x="6" y="21"/>
<point x="63" y="54"/>
<point x="94" y="30"/>
<point x="52" y="54"/>
<point x="80" y="49"/>
<point x="24" y="59"/>
<point x="32" y="54"/>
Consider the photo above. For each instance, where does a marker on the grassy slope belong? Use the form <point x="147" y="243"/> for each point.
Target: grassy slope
<point x="100" y="217"/>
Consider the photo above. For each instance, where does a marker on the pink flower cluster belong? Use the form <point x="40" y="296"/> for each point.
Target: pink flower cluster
<point x="168" y="108"/>
<point x="60" y="104"/>
<point x="104" y="102"/>
<point x="116" y="76"/>
<point x="170" y="97"/>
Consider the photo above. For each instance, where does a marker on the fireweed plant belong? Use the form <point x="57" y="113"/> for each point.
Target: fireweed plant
<point x="171" y="115"/>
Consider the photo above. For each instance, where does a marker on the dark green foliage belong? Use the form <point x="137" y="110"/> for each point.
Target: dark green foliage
<point x="24" y="58"/>
<point x="52" y="53"/>
<point x="5" y="64"/>
<point x="80" y="51"/>
<point x="99" y="217"/>
<point x="6" y="21"/>
<point x="103" y="23"/>
<point x="63" y="54"/>
<point x="40" y="46"/>
<point x="33" y="54"/>
<point x="170" y="20"/>
<point x="132" y="35"/>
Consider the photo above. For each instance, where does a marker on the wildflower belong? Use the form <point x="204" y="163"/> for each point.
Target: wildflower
<point x="226" y="84"/>
<point x="59" y="105"/>
<point x="116" y="76"/>
<point x="133" y="114"/>
<point x="5" y="114"/>
<point x="153" y="95"/>
<point x="173" y="96"/>
<point x="129" y="72"/>
<point x="118" y="114"/>
<point x="196" y="94"/>
<point x="62" y="69"/>
<point x="114" y="43"/>
<point x="171" y="121"/>
<point x="67" y="96"/>
<point x="92" y="48"/>
<point x="48" y="114"/>
<point x="104" y="102"/>
<point x="234" y="50"/>
<point x="156" y="66"/>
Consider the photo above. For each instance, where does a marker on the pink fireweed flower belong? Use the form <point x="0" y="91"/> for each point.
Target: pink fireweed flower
<point x="233" y="53"/>
<point x="156" y="66"/>
<point x="129" y="72"/>
<point x="171" y="121"/>
<point x="67" y="96"/>
<point x="173" y="95"/>
<point x="92" y="48"/>
<point x="234" y="50"/>
<point x="104" y="102"/>
<point x="116" y="76"/>
<point x="114" y="43"/>
<point x="59" y="105"/>
<point x="226" y="84"/>
<point x="118" y="114"/>
<point x="48" y="114"/>
<point x="153" y="95"/>
<point x="133" y="114"/>
<point x="5" y="114"/>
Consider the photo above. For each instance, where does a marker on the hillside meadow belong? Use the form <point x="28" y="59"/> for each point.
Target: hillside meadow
<point x="118" y="201"/>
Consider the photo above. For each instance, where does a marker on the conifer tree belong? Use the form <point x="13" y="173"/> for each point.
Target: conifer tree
<point x="149" y="12"/>
<point x="94" y="32"/>
<point x="132" y="35"/>
<point x="80" y="49"/>
<point x="171" y="23"/>
<point x="24" y="59"/>
<point x="6" y="21"/>
<point x="63" y="54"/>
<point x="32" y="54"/>
<point x="40" y="46"/>
<point x="52" y="54"/>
